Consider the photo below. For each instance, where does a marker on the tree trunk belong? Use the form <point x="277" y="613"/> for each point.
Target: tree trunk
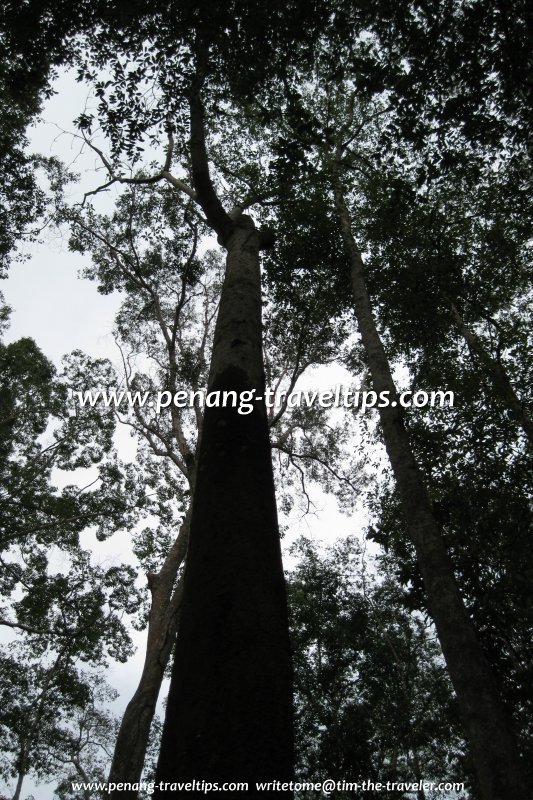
<point x="500" y="380"/>
<point x="18" y="788"/>
<point x="87" y="794"/>
<point x="494" y="750"/>
<point x="417" y="773"/>
<point x="133" y="735"/>
<point x="229" y="714"/>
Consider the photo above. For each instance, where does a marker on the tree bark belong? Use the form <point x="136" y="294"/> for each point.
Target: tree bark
<point x="229" y="714"/>
<point x="18" y="788"/>
<point x="87" y="794"/>
<point x="493" y="746"/>
<point x="134" y="731"/>
<point x="500" y="380"/>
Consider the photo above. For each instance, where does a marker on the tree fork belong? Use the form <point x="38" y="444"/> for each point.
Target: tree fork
<point x="229" y="714"/>
<point x="488" y="725"/>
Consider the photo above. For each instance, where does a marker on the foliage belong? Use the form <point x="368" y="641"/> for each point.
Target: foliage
<point x="50" y="718"/>
<point x="62" y="607"/>
<point x="372" y="698"/>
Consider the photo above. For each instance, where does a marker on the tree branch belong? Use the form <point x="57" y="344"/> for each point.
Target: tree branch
<point x="206" y="196"/>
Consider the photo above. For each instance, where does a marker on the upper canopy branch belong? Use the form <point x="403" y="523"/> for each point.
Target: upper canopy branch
<point x="214" y="211"/>
<point x="217" y="217"/>
<point x="164" y="174"/>
<point x="202" y="190"/>
<point x="120" y="179"/>
<point x="254" y="195"/>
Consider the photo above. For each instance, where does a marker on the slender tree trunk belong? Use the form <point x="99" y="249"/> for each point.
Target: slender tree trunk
<point x="420" y="794"/>
<point x="494" y="749"/>
<point x="133" y="735"/>
<point x="87" y="794"/>
<point x="26" y="744"/>
<point x="229" y="714"/>
<point x="500" y="380"/>
<point x="18" y="788"/>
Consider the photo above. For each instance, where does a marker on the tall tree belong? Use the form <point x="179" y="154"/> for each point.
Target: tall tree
<point x="487" y="720"/>
<point x="244" y="645"/>
<point x="189" y="79"/>
<point x="490" y="731"/>
<point x="143" y="249"/>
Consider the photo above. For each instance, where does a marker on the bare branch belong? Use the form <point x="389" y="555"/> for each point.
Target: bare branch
<point x="252" y="198"/>
<point x="179" y="184"/>
<point x="30" y="629"/>
<point x="122" y="179"/>
<point x="313" y="457"/>
<point x="296" y="373"/>
<point x="302" y="481"/>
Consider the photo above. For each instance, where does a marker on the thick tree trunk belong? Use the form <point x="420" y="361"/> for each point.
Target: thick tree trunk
<point x="500" y="380"/>
<point x="229" y="714"/>
<point x="133" y="735"/>
<point x="494" y="749"/>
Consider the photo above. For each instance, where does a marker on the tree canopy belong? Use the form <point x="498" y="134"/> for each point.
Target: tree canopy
<point x="364" y="170"/>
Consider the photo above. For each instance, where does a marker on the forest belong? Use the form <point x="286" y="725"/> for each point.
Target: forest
<point x="308" y="435"/>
